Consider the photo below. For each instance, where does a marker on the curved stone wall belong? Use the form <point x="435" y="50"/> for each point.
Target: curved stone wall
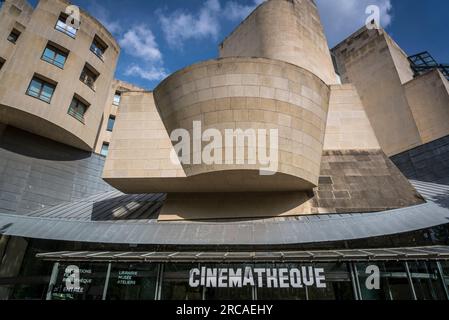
<point x="251" y="93"/>
<point x="24" y="61"/>
<point x="287" y="30"/>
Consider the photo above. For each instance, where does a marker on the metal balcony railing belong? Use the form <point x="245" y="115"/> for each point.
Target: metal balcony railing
<point x="423" y="62"/>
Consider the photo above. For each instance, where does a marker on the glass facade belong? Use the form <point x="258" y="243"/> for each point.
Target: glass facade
<point x="414" y="280"/>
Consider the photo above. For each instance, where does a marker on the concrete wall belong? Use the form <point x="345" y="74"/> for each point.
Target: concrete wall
<point x="287" y="30"/>
<point x="232" y="93"/>
<point x="366" y="60"/>
<point x="428" y="98"/>
<point x="104" y="136"/>
<point x="348" y="126"/>
<point x="23" y="60"/>
<point x="36" y="173"/>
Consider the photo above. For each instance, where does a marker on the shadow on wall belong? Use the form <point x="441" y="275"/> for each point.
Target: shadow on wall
<point x="29" y="145"/>
<point x="128" y="207"/>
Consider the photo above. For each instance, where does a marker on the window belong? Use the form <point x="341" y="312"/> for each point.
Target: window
<point x="41" y="89"/>
<point x="117" y="98"/>
<point x="98" y="47"/>
<point x="88" y="76"/>
<point x="14" y="36"/>
<point x="78" y="109"/>
<point x="111" y="123"/>
<point x="63" y="27"/>
<point x="55" y="56"/>
<point x="105" y="149"/>
<point x="2" y="62"/>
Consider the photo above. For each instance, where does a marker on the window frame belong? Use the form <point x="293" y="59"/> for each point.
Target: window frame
<point x="43" y="84"/>
<point x="65" y="29"/>
<point x="94" y="75"/>
<point x="111" y="118"/>
<point x="119" y="94"/>
<point x="15" y="33"/>
<point x="98" y="45"/>
<point x="103" y="148"/>
<point x="57" y="51"/>
<point x="71" y="111"/>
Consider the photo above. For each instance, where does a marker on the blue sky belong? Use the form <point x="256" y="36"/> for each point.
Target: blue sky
<point x="159" y="37"/>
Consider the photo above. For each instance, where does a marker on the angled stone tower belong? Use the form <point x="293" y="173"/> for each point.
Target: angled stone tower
<point x="275" y="72"/>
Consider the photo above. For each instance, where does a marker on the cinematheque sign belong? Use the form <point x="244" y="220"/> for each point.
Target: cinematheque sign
<point x="257" y="277"/>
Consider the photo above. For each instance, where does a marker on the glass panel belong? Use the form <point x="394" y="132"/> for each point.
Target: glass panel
<point x="427" y="281"/>
<point x="369" y="288"/>
<point x="91" y="282"/>
<point x="132" y="282"/>
<point x="175" y="284"/>
<point x="281" y="293"/>
<point x="111" y="123"/>
<point x="60" y="60"/>
<point x="105" y="150"/>
<point x="63" y="27"/>
<point x="338" y="283"/>
<point x="117" y="99"/>
<point x="49" y="54"/>
<point x="47" y="92"/>
<point x="445" y="267"/>
<point x="35" y="88"/>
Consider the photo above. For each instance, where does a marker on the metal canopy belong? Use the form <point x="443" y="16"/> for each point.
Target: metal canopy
<point x="395" y="254"/>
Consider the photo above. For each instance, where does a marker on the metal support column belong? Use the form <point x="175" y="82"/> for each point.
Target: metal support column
<point x="53" y="278"/>
<point x="410" y="280"/>
<point x="106" y="284"/>
<point x="443" y="279"/>
<point x="355" y="281"/>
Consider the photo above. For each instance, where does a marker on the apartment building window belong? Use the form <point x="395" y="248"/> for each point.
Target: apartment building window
<point x="105" y="149"/>
<point x="111" y="123"/>
<point x="14" y="36"/>
<point x="62" y="26"/>
<point x="78" y="109"/>
<point x="55" y="56"/>
<point x="41" y="89"/>
<point x="98" y="47"/>
<point x="2" y="63"/>
<point x="117" y="98"/>
<point x="89" y="76"/>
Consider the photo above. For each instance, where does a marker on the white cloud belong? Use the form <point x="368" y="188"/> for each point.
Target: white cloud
<point x="180" y="26"/>
<point x="140" y="42"/>
<point x="343" y="17"/>
<point x="151" y="72"/>
<point x="102" y="15"/>
<point x="235" y="11"/>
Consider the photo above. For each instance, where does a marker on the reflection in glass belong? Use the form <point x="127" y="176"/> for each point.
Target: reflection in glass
<point x="175" y="284"/>
<point x="132" y="282"/>
<point x="394" y="282"/>
<point x="92" y="279"/>
<point x="338" y="283"/>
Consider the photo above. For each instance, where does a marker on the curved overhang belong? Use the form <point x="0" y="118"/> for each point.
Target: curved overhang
<point x="266" y="119"/>
<point x="43" y="127"/>
<point x="51" y="225"/>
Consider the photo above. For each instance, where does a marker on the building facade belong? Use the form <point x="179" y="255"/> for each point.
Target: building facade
<point x="97" y="201"/>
